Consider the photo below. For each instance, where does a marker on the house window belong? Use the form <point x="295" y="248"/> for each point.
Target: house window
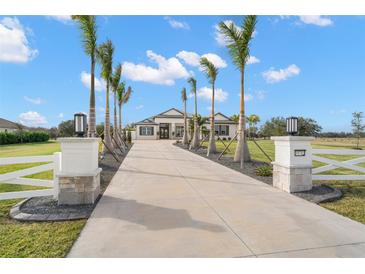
<point x="179" y="131"/>
<point x="222" y="130"/>
<point x="146" y="131"/>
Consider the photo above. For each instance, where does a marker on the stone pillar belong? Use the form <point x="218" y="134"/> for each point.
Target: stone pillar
<point x="79" y="174"/>
<point x="292" y="168"/>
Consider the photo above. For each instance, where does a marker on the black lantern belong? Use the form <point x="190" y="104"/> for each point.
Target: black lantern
<point x="80" y="124"/>
<point x="292" y="125"/>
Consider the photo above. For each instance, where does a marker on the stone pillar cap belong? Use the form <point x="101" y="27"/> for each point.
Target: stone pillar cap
<point x="78" y="140"/>
<point x="292" y="138"/>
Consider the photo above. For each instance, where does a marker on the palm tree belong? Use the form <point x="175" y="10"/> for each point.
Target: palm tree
<point x="195" y="140"/>
<point x="87" y="24"/>
<point x="114" y="84"/>
<point x="211" y="72"/>
<point x="105" y="57"/>
<point x="252" y="120"/>
<point x="184" y="97"/>
<point x="235" y="118"/>
<point x="123" y="97"/>
<point x="239" y="49"/>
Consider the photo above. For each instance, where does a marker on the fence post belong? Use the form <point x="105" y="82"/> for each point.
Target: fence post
<point x="56" y="171"/>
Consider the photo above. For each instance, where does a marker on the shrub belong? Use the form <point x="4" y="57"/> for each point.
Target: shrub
<point x="229" y="138"/>
<point x="224" y="139"/>
<point x="264" y="171"/>
<point x="129" y="136"/>
<point x="7" y="138"/>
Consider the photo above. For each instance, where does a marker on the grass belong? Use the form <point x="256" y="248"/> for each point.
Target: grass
<point x="50" y="239"/>
<point x="352" y="205"/>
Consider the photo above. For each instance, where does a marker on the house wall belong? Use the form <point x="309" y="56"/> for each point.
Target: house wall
<point x="8" y="129"/>
<point x="173" y="122"/>
<point x="232" y="129"/>
<point x="151" y="137"/>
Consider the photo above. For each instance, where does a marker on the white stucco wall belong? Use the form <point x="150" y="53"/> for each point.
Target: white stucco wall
<point x="232" y="129"/>
<point x="143" y="137"/>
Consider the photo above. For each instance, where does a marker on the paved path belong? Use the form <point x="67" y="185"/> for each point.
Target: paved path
<point x="167" y="202"/>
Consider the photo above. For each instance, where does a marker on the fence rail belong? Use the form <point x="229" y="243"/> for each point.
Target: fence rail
<point x="333" y="164"/>
<point x="50" y="162"/>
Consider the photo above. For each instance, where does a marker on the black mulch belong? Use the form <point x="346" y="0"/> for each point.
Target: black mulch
<point x="318" y="194"/>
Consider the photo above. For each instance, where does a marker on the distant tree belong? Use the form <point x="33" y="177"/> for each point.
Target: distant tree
<point x="195" y="136"/>
<point x="53" y="132"/>
<point x="357" y="126"/>
<point x="66" y="128"/>
<point x="252" y="120"/>
<point x="235" y="117"/>
<point x="277" y="127"/>
<point x="308" y="127"/>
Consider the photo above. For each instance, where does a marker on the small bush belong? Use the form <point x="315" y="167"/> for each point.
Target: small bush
<point x="229" y="138"/>
<point x="129" y="136"/>
<point x="224" y="139"/>
<point x="7" y="138"/>
<point x="264" y="171"/>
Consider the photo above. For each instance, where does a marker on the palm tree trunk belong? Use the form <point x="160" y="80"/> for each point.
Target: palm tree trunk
<point x="116" y="138"/>
<point x="185" y="140"/>
<point x="242" y="151"/>
<point x="107" y="138"/>
<point x="92" y="118"/>
<point x="120" y="118"/>
<point x="195" y="140"/>
<point x="211" y="146"/>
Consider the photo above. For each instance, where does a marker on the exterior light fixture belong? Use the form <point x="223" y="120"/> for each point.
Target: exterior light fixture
<point x="292" y="125"/>
<point x="80" y="124"/>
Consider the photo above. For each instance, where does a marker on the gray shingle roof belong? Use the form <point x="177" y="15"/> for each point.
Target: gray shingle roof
<point x="8" y="124"/>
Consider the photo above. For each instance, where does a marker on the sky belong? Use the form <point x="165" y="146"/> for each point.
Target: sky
<point x="310" y="66"/>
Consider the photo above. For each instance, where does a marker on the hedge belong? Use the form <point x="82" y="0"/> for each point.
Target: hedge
<point x="7" y="138"/>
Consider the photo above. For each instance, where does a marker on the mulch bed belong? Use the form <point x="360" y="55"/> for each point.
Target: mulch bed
<point x="46" y="208"/>
<point x="318" y="194"/>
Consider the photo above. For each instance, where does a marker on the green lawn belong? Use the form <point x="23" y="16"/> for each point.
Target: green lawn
<point x="52" y="239"/>
<point x="352" y="205"/>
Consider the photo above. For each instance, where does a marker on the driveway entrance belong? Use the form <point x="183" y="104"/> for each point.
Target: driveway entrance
<point x="168" y="202"/>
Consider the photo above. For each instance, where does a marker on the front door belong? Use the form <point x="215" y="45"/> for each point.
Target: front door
<point x="164" y="131"/>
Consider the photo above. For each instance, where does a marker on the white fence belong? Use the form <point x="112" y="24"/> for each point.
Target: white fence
<point x="17" y="177"/>
<point x="333" y="164"/>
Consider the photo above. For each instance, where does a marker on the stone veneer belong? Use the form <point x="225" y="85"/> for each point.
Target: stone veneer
<point x="78" y="189"/>
<point x="292" y="179"/>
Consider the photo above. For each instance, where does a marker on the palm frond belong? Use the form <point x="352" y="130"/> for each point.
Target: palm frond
<point x="105" y="58"/>
<point x="210" y="70"/>
<point x="115" y="78"/>
<point x="183" y="95"/>
<point x="127" y="95"/>
<point x="87" y="25"/>
<point x="120" y="92"/>
<point x="192" y="82"/>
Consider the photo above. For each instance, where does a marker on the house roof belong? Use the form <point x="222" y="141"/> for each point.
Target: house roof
<point x="178" y="115"/>
<point x="227" y="120"/>
<point x="148" y="121"/>
<point x="8" y="124"/>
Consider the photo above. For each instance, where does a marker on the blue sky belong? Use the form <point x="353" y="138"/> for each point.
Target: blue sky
<point x="313" y="66"/>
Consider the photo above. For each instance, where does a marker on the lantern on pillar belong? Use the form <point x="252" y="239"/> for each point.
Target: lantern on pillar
<point x="292" y="125"/>
<point x="80" y="124"/>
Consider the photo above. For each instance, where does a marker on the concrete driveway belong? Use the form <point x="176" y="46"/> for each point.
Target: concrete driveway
<point x="167" y="202"/>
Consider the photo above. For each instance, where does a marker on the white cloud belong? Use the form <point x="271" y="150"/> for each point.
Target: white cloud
<point x="61" y="18"/>
<point x="316" y="20"/>
<point x="139" y="107"/>
<point x="177" y="24"/>
<point x="99" y="84"/>
<point x="32" y="118"/>
<point x="14" y="45"/>
<point x="248" y="97"/>
<point x="261" y="95"/>
<point x="193" y="59"/>
<point x="60" y="115"/>
<point x="252" y="60"/>
<point x="189" y="57"/>
<point x="220" y="38"/>
<point x="36" y="101"/>
<point x="206" y="93"/>
<point x="167" y="71"/>
<point x="274" y="76"/>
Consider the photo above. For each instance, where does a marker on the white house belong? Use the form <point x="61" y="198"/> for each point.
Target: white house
<point x="170" y="125"/>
